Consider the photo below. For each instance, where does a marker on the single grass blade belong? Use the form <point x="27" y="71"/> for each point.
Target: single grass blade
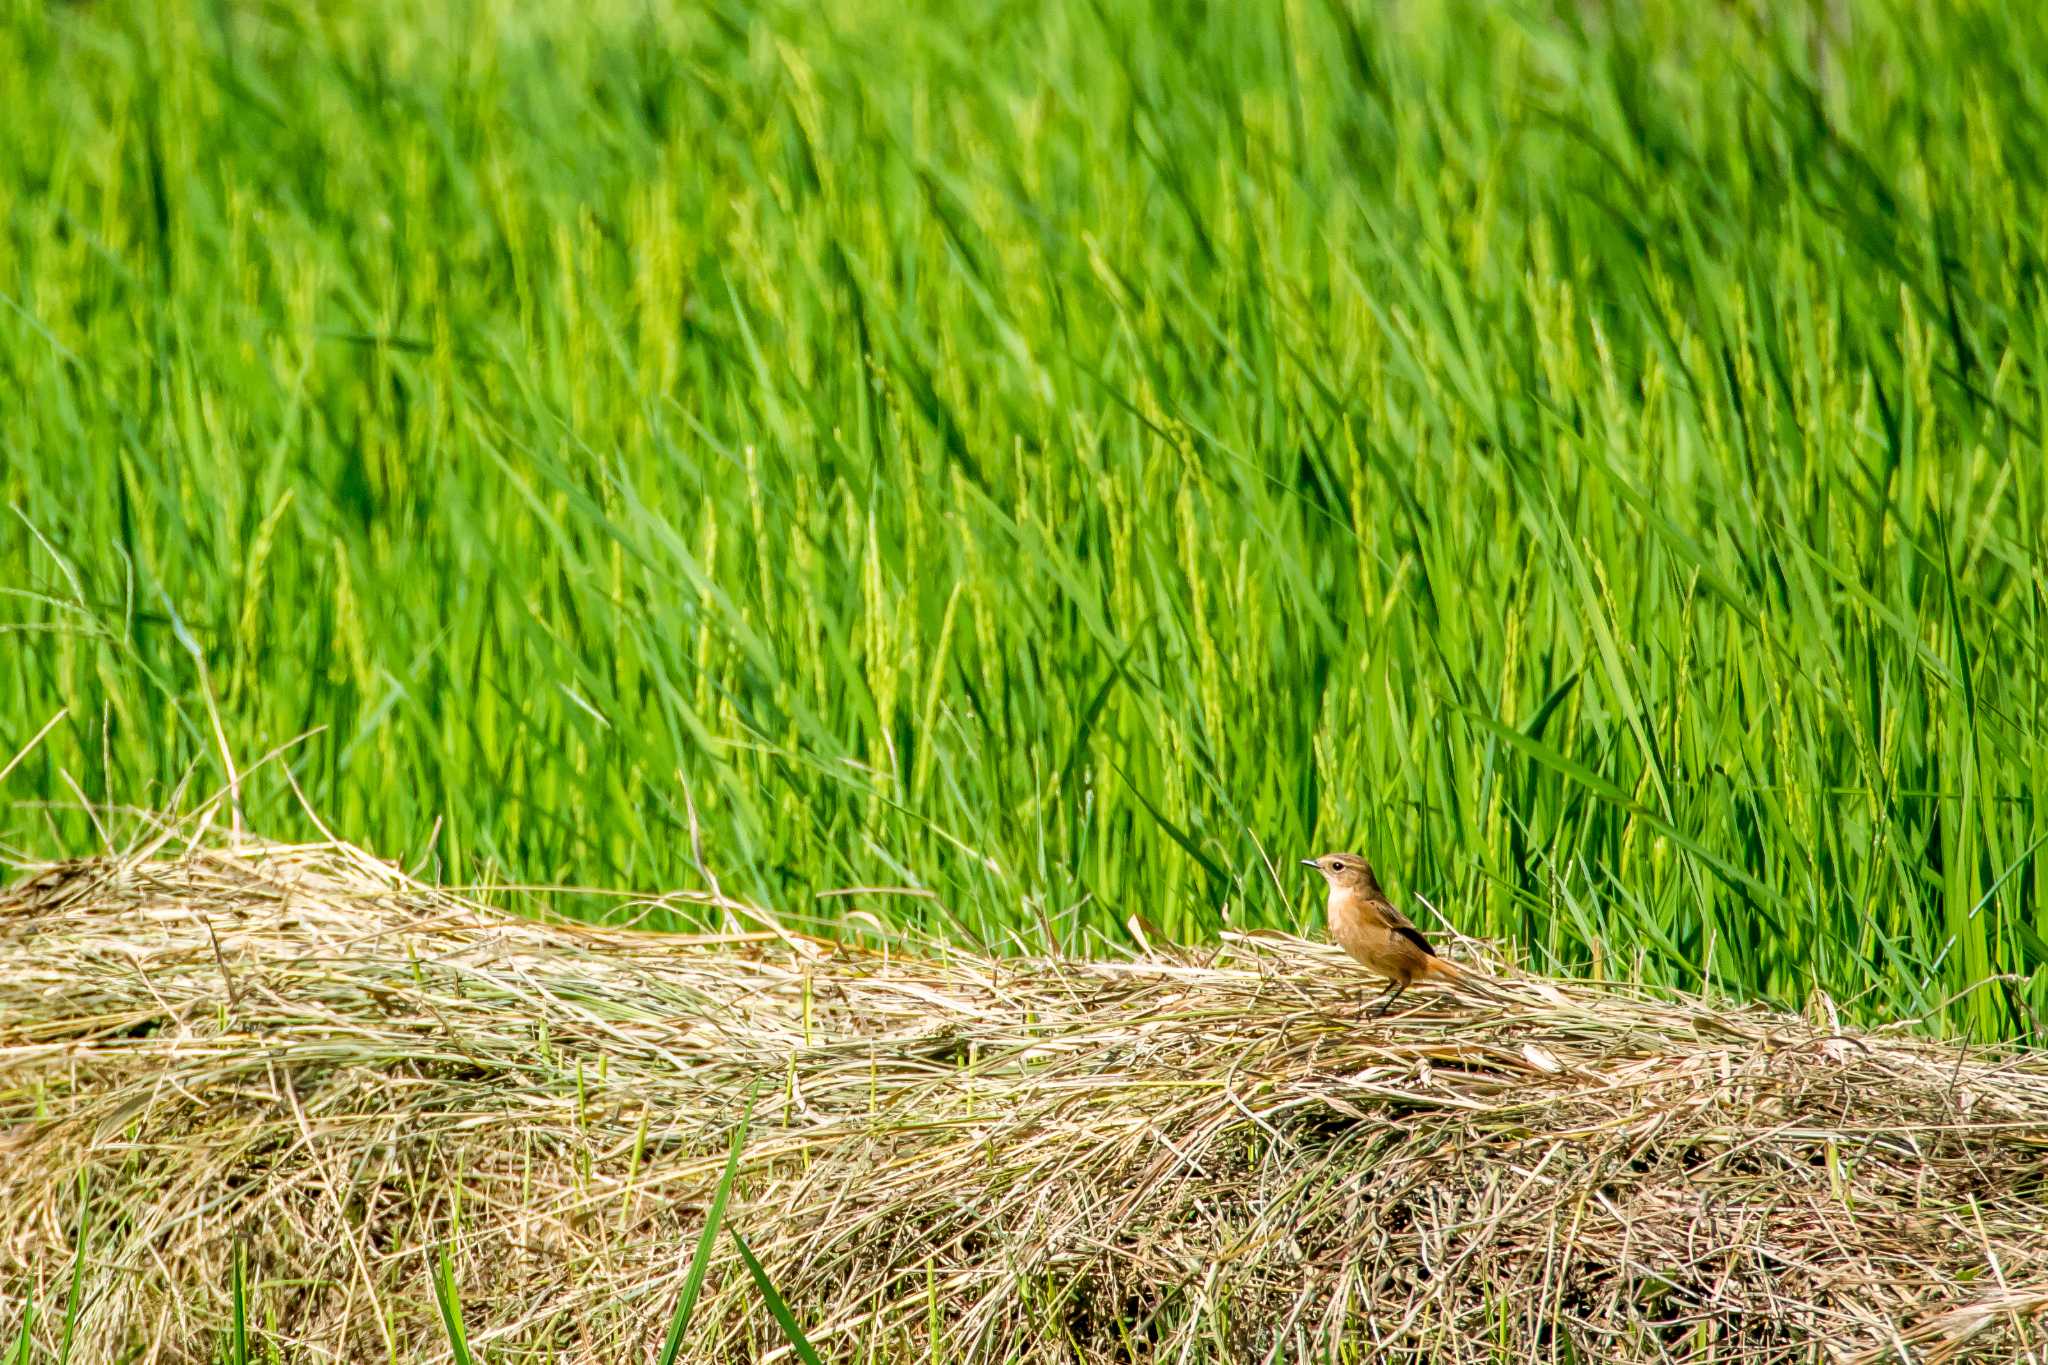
<point x="1175" y="832"/>
<point x="776" y="1306"/>
<point x="22" y="1339"/>
<point x="686" y="1302"/>
<point x="451" y="1310"/>
<point x="238" y="1341"/>
<point x="76" y="1302"/>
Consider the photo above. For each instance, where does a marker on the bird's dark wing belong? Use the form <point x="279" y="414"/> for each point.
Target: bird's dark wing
<point x="1400" y="924"/>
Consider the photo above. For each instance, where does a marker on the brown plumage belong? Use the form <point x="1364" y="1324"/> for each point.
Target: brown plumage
<point x="1367" y="926"/>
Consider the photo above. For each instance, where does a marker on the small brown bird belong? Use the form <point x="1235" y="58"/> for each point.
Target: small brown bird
<point x="1367" y="926"/>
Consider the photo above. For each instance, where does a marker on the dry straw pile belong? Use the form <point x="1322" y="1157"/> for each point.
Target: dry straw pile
<point x="1181" y="1157"/>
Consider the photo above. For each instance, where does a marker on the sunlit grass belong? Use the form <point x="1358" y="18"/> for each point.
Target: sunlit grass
<point x="1056" y="458"/>
<point x="418" y="1130"/>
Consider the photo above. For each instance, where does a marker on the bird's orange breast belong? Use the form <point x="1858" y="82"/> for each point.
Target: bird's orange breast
<point x="1360" y="931"/>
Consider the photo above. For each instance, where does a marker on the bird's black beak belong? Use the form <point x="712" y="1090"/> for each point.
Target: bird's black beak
<point x="1311" y="862"/>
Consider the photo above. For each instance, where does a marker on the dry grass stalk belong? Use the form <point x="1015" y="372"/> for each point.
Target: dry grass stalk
<point x="955" y="1157"/>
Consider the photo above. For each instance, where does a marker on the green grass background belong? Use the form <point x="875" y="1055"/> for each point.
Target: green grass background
<point x="1589" y="458"/>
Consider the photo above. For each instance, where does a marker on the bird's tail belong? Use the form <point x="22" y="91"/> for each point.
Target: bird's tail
<point x="1466" y="979"/>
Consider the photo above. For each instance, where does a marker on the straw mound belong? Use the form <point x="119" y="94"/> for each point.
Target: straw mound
<point x="959" y="1159"/>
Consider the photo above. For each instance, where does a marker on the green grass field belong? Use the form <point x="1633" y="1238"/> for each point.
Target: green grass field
<point x="1055" y="458"/>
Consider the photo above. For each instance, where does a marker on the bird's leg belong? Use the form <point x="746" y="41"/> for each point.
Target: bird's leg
<point x="1394" y="989"/>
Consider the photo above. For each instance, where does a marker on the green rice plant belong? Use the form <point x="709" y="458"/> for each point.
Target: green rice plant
<point x="1018" y="471"/>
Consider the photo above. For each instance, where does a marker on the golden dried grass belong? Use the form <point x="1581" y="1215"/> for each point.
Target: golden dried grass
<point x="1180" y="1156"/>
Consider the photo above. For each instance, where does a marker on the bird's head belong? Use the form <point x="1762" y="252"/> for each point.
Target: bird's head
<point x="1345" y="870"/>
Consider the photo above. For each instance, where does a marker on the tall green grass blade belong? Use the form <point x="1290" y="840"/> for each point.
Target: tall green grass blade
<point x="74" y="1302"/>
<point x="449" y="1302"/>
<point x="238" y="1329"/>
<point x="714" y="1219"/>
<point x="770" y="1296"/>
